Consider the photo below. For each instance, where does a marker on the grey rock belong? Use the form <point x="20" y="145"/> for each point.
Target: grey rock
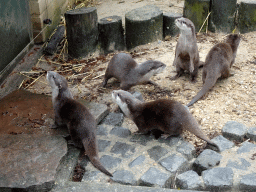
<point x="218" y="179"/>
<point x="141" y="139"/>
<point x="175" y="141"/>
<point x="154" y="177"/>
<point x="246" y="147"/>
<point x="124" y="177"/>
<point x="30" y="162"/>
<point x="243" y="164"/>
<point x="98" y="110"/>
<point x="103" y="144"/>
<point x="110" y="162"/>
<point x="138" y="95"/>
<point x="124" y="149"/>
<point x="252" y="133"/>
<point x="223" y="143"/>
<point x="174" y="163"/>
<point x="91" y="176"/>
<point x="101" y="130"/>
<point x="207" y="159"/>
<point x="157" y="152"/>
<point x="189" y="180"/>
<point x="139" y="160"/>
<point x="115" y="119"/>
<point x="121" y="132"/>
<point x="187" y="149"/>
<point x="234" y="131"/>
<point x="248" y="183"/>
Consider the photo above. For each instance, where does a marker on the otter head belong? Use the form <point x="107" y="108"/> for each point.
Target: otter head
<point x="125" y="100"/>
<point x="149" y="69"/>
<point x="185" y="25"/>
<point x="233" y="40"/>
<point x="58" y="84"/>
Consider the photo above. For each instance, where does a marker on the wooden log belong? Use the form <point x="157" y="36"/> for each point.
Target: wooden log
<point x="54" y="41"/>
<point x="222" y="18"/>
<point x="111" y="34"/>
<point x="247" y="16"/>
<point x="143" y="25"/>
<point x="197" y="11"/>
<point x="170" y="28"/>
<point x="82" y="31"/>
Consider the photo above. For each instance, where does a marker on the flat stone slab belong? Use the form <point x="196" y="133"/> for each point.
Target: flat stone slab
<point x="223" y="143"/>
<point x="218" y="179"/>
<point x="124" y="149"/>
<point x="157" y="152"/>
<point x="189" y="180"/>
<point x="234" y="131"/>
<point x="242" y="164"/>
<point x="30" y="162"/>
<point x="124" y="177"/>
<point x="115" y="119"/>
<point x="121" y="132"/>
<point x="248" y="182"/>
<point x="252" y="133"/>
<point x="187" y="149"/>
<point x="174" y="163"/>
<point x="139" y="160"/>
<point x="246" y="147"/>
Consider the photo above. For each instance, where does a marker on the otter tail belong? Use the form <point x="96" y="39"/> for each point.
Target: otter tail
<point x="91" y="151"/>
<point x="209" y="83"/>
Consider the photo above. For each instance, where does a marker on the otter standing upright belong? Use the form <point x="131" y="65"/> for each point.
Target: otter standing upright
<point x="80" y="122"/>
<point x="169" y="116"/>
<point x="123" y="67"/>
<point x="186" y="53"/>
<point x="218" y="63"/>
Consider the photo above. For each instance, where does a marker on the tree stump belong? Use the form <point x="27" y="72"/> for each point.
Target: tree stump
<point x="222" y="18"/>
<point x="54" y="41"/>
<point x="143" y="25"/>
<point x="247" y="16"/>
<point x="170" y="28"/>
<point x="82" y="31"/>
<point x="197" y="11"/>
<point x="111" y="34"/>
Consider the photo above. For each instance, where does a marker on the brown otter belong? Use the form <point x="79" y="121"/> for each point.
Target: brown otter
<point x="123" y="67"/>
<point x="186" y="52"/>
<point x="81" y="124"/>
<point x="218" y="63"/>
<point x="169" y="116"/>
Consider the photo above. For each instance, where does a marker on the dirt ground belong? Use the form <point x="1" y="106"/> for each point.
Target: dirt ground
<point x="230" y="99"/>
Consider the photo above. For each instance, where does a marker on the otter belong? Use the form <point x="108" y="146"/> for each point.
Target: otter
<point x="186" y="52"/>
<point x="218" y="63"/>
<point x="123" y="67"/>
<point x="80" y="122"/>
<point x="168" y="116"/>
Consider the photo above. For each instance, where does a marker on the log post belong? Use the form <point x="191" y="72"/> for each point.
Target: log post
<point x="170" y="28"/>
<point x="111" y="34"/>
<point x="247" y="16"/>
<point x="82" y="31"/>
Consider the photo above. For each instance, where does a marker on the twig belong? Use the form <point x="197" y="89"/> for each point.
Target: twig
<point x="39" y="60"/>
<point x="34" y="81"/>
<point x="62" y="50"/>
<point x="87" y="76"/>
<point x="21" y="83"/>
<point x="54" y="62"/>
<point x="32" y="77"/>
<point x="98" y="76"/>
<point x="204" y="22"/>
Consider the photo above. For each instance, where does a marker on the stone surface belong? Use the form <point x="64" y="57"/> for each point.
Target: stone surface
<point x="189" y="180"/>
<point x="223" y="143"/>
<point x="251" y="133"/>
<point x="143" y="25"/>
<point x="124" y="149"/>
<point x="110" y="162"/>
<point x="30" y="162"/>
<point x="138" y="95"/>
<point x="121" y="132"/>
<point x="101" y="130"/>
<point x="174" y="163"/>
<point x="90" y="176"/>
<point x="242" y="164"/>
<point x="141" y="139"/>
<point x="246" y="147"/>
<point x="218" y="179"/>
<point x="154" y="177"/>
<point x="187" y="149"/>
<point x="234" y="131"/>
<point x="248" y="183"/>
<point x="139" y="160"/>
<point x="115" y="119"/>
<point x="103" y="144"/>
<point x="124" y="177"/>
<point x="207" y="159"/>
<point x="169" y="27"/>
<point x="157" y="152"/>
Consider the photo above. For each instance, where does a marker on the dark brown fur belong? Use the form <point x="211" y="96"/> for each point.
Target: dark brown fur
<point x="217" y="64"/>
<point x="123" y="67"/>
<point x="78" y="119"/>
<point x="169" y="116"/>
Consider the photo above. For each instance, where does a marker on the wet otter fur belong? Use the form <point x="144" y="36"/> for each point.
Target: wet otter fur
<point x="169" y="116"/>
<point x="80" y="122"/>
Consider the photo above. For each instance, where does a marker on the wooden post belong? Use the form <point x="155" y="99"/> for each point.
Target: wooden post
<point x="247" y="16"/>
<point x="170" y="28"/>
<point x="82" y="31"/>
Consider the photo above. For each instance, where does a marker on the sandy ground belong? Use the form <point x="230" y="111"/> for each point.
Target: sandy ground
<point x="230" y="99"/>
